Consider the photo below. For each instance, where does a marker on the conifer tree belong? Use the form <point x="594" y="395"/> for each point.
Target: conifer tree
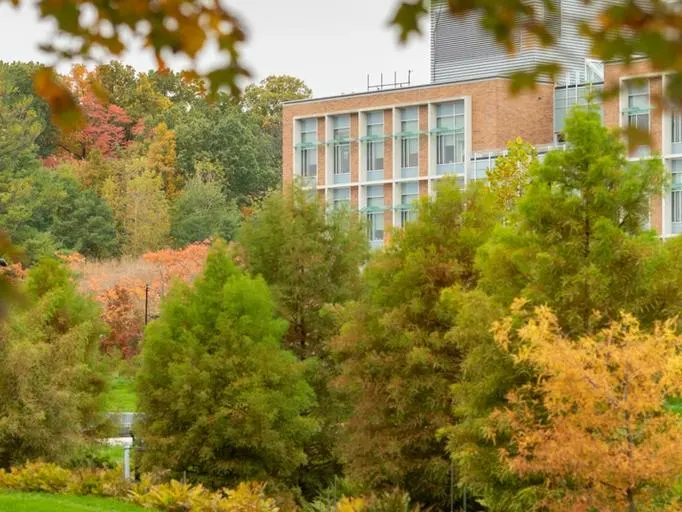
<point x="396" y="363"/>
<point x="49" y="381"/>
<point x="223" y="402"/>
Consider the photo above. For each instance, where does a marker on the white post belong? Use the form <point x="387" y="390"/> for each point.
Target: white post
<point x="126" y="462"/>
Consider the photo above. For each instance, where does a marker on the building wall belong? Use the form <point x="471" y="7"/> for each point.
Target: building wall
<point x="497" y="116"/>
<point x="616" y="75"/>
<point x="462" y="49"/>
<point x="493" y="118"/>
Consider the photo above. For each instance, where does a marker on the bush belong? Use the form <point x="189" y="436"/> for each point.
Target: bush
<point x="36" y="477"/>
<point x="170" y="497"/>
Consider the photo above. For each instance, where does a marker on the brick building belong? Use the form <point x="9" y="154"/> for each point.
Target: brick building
<point x="378" y="151"/>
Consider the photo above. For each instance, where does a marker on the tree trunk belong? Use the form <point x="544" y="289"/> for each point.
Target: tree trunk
<point x="631" y="501"/>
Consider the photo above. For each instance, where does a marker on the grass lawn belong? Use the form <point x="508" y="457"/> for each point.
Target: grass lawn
<point x="121" y="396"/>
<point x="38" y="502"/>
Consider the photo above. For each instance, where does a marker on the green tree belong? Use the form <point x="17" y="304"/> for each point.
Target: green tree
<point x="223" y="401"/>
<point x="45" y="211"/>
<point x="576" y="242"/>
<point x="311" y="259"/>
<point x="265" y="99"/>
<point x="48" y="378"/>
<point x="17" y="78"/>
<point x="396" y="362"/>
<point x="224" y="136"/>
<point x="201" y="212"/>
<point x="19" y="128"/>
<point x="146" y="217"/>
<point x="86" y="225"/>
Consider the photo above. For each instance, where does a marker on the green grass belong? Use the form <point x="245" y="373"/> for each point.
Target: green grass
<point x="37" y="502"/>
<point x="121" y="396"/>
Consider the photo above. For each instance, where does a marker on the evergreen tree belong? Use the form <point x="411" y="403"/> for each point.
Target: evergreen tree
<point x="311" y="258"/>
<point x="396" y="363"/>
<point x="222" y="400"/>
<point x="49" y="383"/>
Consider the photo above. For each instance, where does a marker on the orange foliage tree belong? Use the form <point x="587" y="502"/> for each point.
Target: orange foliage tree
<point x="120" y="285"/>
<point x="594" y="424"/>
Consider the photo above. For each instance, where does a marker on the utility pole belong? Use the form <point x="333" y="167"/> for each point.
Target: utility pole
<point x="146" y="303"/>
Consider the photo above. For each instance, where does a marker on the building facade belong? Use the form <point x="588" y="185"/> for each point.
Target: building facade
<point x="377" y="152"/>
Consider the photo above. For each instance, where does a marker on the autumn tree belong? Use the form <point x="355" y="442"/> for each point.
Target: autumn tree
<point x="595" y="424"/>
<point x="396" y="363"/>
<point x="222" y="400"/>
<point x="146" y="217"/>
<point x="161" y="158"/>
<point x="48" y="377"/>
<point x="576" y="241"/>
<point x="105" y="129"/>
<point x="511" y="174"/>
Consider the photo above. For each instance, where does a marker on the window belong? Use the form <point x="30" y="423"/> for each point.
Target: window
<point x="308" y="148"/>
<point x="566" y="98"/>
<point x="450" y="136"/>
<point x="676" y="132"/>
<point x="409" y="142"/>
<point x="341" y="197"/>
<point x="375" y="145"/>
<point x="637" y="111"/>
<point x="676" y="196"/>
<point x="341" y="144"/>
<point x="375" y="214"/>
<point x="409" y="193"/>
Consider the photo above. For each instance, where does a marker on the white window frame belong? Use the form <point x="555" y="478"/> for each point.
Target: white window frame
<point x="454" y="139"/>
<point x="307" y="155"/>
<point x="375" y="218"/>
<point x="375" y="148"/>
<point x="409" y="145"/>
<point x="341" y="146"/>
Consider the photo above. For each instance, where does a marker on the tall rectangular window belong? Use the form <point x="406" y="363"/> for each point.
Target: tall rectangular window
<point x="676" y="196"/>
<point x="375" y="145"/>
<point x="409" y="142"/>
<point x="568" y="97"/>
<point x="308" y="148"/>
<point x="341" y="197"/>
<point x="676" y="132"/>
<point x="375" y="214"/>
<point x="409" y="194"/>
<point x="341" y="144"/>
<point x="637" y="111"/>
<point x="450" y="136"/>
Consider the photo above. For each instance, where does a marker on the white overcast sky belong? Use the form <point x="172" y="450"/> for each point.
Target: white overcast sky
<point x="330" y="44"/>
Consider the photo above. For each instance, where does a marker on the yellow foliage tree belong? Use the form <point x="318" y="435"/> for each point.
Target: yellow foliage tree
<point x="511" y="173"/>
<point x="594" y="422"/>
<point x="147" y="217"/>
